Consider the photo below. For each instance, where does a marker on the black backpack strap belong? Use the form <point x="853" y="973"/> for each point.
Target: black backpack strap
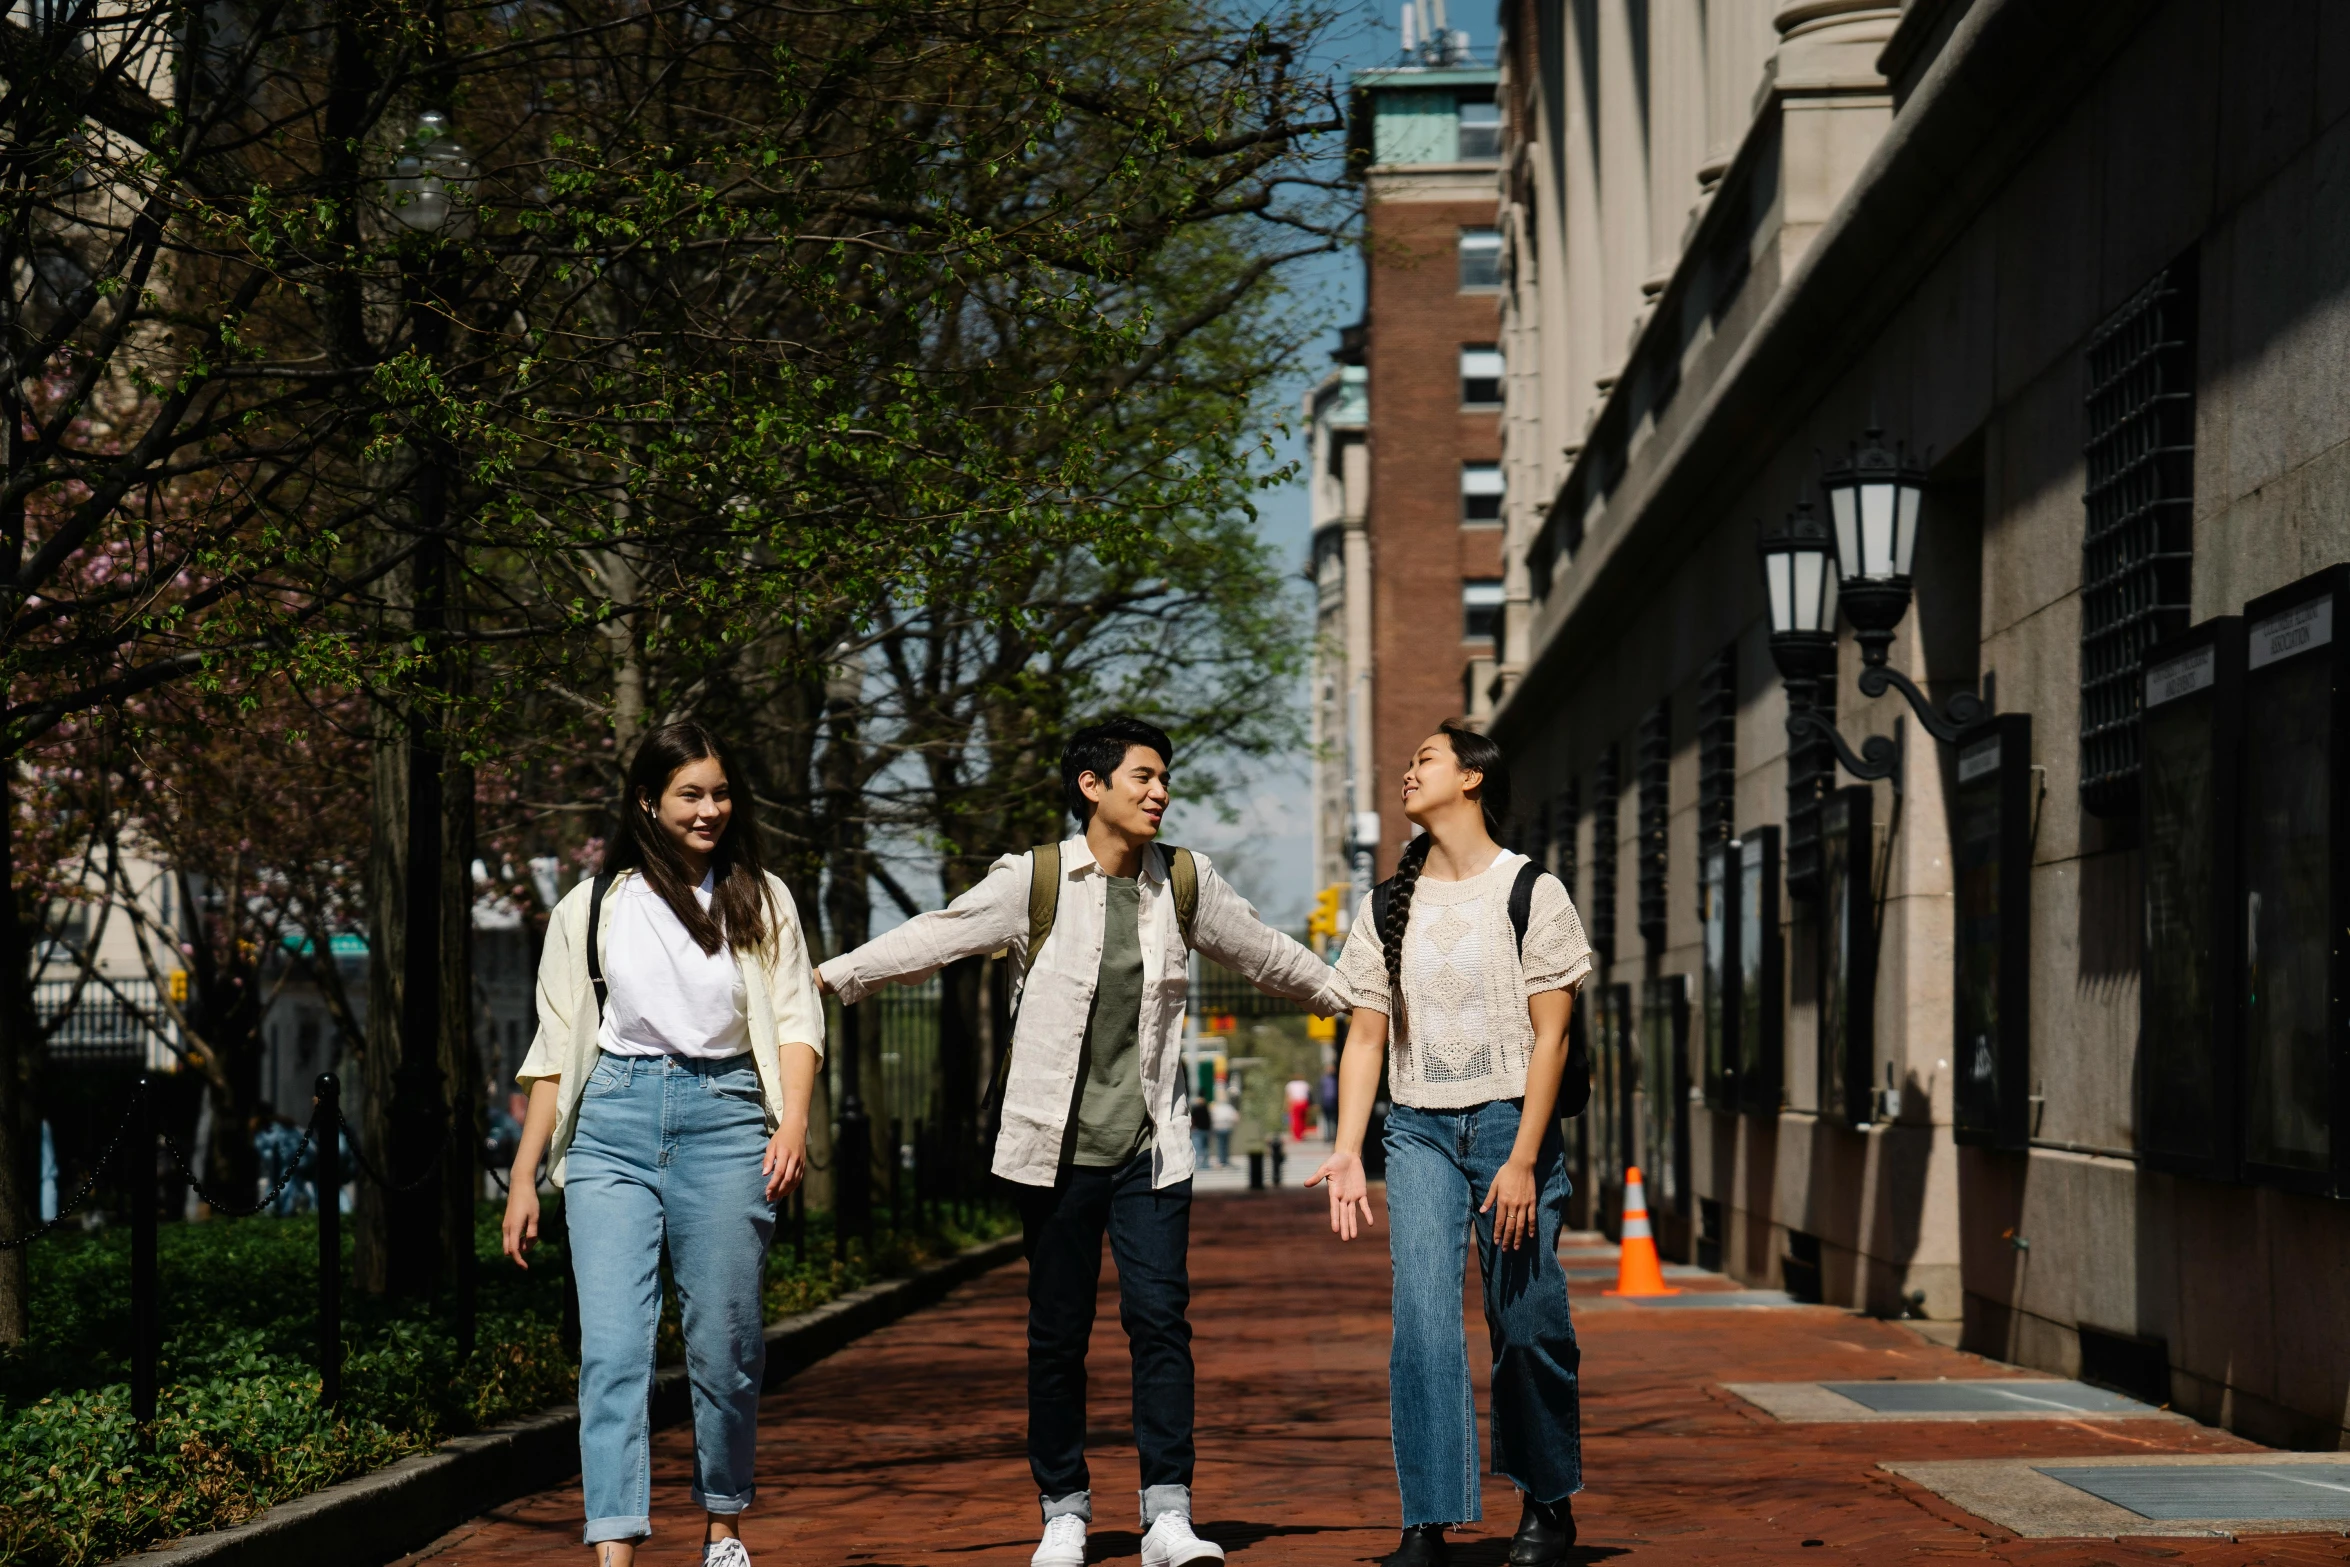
<point x="1522" y="901"/>
<point x="603" y="884"/>
<point x="1382" y="899"/>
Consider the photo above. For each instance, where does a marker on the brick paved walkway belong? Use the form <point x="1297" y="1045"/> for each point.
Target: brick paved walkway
<point x="906" y="1448"/>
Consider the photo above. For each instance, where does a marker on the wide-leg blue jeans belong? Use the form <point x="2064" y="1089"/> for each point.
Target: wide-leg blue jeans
<point x="667" y="1150"/>
<point x="1440" y="1165"/>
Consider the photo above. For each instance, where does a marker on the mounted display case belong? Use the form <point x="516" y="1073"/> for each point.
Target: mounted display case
<point x="1991" y="843"/>
<point x="1758" y="999"/>
<point x="2292" y="984"/>
<point x="1848" y="956"/>
<point x="2189" y="1034"/>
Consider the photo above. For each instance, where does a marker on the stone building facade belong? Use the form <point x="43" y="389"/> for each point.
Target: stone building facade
<point x="2019" y="1040"/>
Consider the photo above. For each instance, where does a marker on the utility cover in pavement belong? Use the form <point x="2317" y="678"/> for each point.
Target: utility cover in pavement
<point x="2217" y="1492"/>
<point x="1980" y="1397"/>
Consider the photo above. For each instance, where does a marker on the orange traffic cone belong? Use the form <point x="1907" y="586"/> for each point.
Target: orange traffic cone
<point x="1637" y="1270"/>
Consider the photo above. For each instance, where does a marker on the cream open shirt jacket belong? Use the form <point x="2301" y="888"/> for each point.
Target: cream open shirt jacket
<point x="1057" y="994"/>
<point x="779" y="994"/>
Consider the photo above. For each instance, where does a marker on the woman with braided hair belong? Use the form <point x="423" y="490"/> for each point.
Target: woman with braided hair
<point x="1463" y="968"/>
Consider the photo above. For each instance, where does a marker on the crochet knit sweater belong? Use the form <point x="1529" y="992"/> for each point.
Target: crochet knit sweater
<point x="1464" y="1037"/>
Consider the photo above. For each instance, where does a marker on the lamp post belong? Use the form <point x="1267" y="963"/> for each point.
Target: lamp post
<point x="427" y="187"/>
<point x="1875" y="497"/>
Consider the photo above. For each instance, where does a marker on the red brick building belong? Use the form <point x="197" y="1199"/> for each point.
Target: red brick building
<point x="1433" y="513"/>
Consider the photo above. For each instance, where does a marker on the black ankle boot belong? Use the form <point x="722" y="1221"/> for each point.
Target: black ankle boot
<point x="1544" y="1533"/>
<point x="1422" y="1546"/>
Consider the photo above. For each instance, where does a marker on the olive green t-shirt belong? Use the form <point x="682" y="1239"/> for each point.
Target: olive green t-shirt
<point x="1112" y="1123"/>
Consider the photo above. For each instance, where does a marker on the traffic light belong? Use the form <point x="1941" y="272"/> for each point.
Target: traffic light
<point x="1322" y="925"/>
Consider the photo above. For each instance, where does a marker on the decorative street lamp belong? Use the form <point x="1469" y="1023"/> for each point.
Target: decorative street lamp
<point x="1875" y="497"/>
<point x="432" y="178"/>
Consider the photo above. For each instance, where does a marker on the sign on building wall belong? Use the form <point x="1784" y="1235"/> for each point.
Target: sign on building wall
<point x="2191" y="801"/>
<point x="1991" y="838"/>
<point x="2293" y="905"/>
<point x="1739" y="1012"/>
<point x="1848" y="956"/>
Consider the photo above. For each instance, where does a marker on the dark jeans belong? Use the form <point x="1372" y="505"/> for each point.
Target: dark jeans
<point x="1150" y="1231"/>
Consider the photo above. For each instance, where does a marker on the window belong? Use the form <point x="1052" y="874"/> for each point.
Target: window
<point x="1717" y="747"/>
<point x="1480" y="258"/>
<point x="2138" y="550"/>
<point x="1655" y="774"/>
<point x="1481" y="603"/>
<point x="1481" y="491"/>
<point x="1606" y="787"/>
<point x="1480" y="376"/>
<point x="1480" y="131"/>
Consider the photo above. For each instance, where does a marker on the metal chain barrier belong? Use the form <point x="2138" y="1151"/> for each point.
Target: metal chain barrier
<point x="65" y="1210"/>
<point x="231" y="1210"/>
<point x="431" y="1168"/>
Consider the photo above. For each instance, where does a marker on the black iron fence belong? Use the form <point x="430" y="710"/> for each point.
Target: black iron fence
<point x="100" y="1020"/>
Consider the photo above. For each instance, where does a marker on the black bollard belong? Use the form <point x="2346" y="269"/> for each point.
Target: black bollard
<point x="897" y="1161"/>
<point x="144" y="1313"/>
<point x="465" y="1159"/>
<point x="1274" y="1156"/>
<point x="326" y="1126"/>
<point x="1256" y="1171"/>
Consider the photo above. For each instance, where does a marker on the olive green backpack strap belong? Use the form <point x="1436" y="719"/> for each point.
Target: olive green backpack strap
<point x="1183" y="881"/>
<point x="1044" y="900"/>
<point x="1044" y="896"/>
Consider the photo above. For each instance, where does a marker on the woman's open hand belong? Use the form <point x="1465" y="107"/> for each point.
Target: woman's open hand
<point x="787" y="1157"/>
<point x="522" y="1215"/>
<point x="1512" y="1200"/>
<point x="1350" y="1194"/>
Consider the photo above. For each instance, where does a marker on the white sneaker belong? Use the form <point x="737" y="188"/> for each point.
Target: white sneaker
<point x="1063" y="1544"/>
<point x="1171" y="1543"/>
<point x="726" y="1553"/>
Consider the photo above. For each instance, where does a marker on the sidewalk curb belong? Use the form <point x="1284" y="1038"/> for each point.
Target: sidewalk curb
<point x="380" y="1517"/>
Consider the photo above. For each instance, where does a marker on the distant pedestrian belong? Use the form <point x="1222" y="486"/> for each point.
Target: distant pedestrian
<point x="1223" y="1116"/>
<point x="1202" y="1123"/>
<point x="1476" y="953"/>
<point x="1301" y="1106"/>
<point x="1093" y="1090"/>
<point x="1330" y="1105"/>
<point x="678" y="1042"/>
<point x="277" y="1148"/>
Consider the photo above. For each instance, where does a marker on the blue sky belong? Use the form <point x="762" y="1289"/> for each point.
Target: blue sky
<point x="1268" y="851"/>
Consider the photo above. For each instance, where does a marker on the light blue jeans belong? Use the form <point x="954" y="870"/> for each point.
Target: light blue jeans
<point x="1440" y="1165"/>
<point x="667" y="1149"/>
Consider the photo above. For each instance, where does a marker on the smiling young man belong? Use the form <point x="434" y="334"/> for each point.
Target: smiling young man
<point x="1096" y="1131"/>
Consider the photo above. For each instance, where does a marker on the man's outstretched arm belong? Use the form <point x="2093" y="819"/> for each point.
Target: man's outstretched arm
<point x="988" y="918"/>
<point x="1227" y="929"/>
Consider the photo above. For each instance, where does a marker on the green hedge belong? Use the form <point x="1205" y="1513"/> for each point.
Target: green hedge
<point x="238" y="1423"/>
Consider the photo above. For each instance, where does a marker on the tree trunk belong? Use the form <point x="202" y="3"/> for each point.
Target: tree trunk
<point x="461" y="1069"/>
<point x="22" y="1056"/>
<point x="387" y="953"/>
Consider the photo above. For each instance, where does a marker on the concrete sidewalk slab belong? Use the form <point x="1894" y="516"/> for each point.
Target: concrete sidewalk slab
<point x="2021" y="1495"/>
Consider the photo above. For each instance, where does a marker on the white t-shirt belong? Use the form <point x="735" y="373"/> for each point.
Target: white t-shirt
<point x="667" y="996"/>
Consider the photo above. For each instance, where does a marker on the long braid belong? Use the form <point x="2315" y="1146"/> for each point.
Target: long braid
<point x="1399" y="916"/>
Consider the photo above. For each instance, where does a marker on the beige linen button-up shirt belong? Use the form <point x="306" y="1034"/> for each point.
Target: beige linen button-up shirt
<point x="1057" y="993"/>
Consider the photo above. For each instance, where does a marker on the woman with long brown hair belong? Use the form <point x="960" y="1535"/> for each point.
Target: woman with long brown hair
<point x="679" y="1038"/>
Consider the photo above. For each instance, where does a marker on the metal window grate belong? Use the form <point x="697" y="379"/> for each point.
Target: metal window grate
<point x="1811" y="773"/>
<point x="2138" y="550"/>
<point x="1717" y="748"/>
<point x="1606" y="786"/>
<point x="1656" y="799"/>
<point x="1566" y="816"/>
